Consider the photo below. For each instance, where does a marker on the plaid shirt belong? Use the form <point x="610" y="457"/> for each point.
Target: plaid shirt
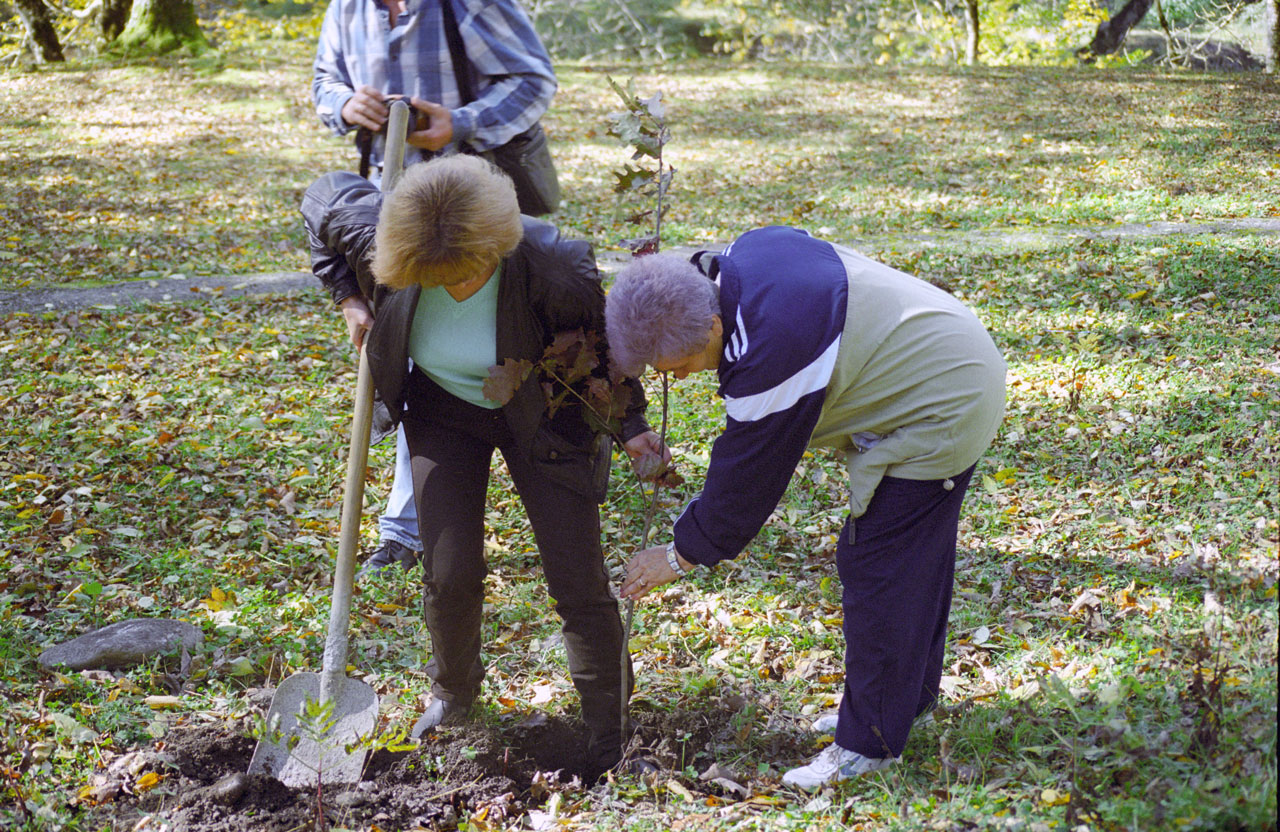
<point x="513" y="76"/>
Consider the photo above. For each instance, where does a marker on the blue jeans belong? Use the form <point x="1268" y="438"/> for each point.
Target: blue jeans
<point x="400" y="521"/>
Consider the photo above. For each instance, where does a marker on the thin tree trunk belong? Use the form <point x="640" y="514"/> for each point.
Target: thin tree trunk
<point x="44" y="37"/>
<point x="1273" y="39"/>
<point x="1164" y="26"/>
<point x="1111" y="33"/>
<point x="971" y="28"/>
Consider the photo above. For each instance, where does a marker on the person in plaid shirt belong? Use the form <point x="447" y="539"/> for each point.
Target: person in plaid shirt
<point x="371" y="50"/>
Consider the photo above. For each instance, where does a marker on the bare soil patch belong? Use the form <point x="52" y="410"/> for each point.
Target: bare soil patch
<point x="503" y="771"/>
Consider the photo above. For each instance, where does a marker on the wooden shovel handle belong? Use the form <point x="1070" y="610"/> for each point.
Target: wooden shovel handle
<point x="334" y="669"/>
<point x="344" y="572"/>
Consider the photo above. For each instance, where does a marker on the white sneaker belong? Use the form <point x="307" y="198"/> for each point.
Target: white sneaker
<point x="832" y="765"/>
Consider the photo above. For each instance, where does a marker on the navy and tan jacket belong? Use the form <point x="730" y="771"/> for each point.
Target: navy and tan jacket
<point x="824" y="347"/>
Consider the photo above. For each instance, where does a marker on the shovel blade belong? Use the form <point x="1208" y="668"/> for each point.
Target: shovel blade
<point x="309" y="762"/>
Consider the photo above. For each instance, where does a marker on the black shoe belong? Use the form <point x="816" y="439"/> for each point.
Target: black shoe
<point x="390" y="552"/>
<point x="440" y="712"/>
<point x="603" y="766"/>
<point x="640" y="767"/>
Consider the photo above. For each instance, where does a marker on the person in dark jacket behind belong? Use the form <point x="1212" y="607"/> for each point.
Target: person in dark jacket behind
<point x="816" y="345"/>
<point x="439" y="283"/>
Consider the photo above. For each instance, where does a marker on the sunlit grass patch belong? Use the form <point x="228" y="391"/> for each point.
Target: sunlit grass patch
<point x="139" y="179"/>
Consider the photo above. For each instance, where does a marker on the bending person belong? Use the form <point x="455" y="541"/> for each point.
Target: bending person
<point x="462" y="283"/>
<point x="370" y="51"/>
<point x="818" y="346"/>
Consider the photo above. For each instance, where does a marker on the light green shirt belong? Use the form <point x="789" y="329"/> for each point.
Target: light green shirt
<point x="456" y="342"/>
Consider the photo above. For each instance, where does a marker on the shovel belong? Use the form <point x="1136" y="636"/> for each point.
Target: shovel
<point x="306" y="752"/>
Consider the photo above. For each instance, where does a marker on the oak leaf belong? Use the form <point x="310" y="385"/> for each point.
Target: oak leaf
<point x="504" y="379"/>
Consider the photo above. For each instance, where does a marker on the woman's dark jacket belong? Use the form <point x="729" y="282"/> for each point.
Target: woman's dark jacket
<point x="549" y="285"/>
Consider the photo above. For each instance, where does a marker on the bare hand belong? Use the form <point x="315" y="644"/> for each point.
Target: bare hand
<point x="647" y="443"/>
<point x="647" y="571"/>
<point x="358" y="317"/>
<point x="367" y="108"/>
<point x="439" y="125"/>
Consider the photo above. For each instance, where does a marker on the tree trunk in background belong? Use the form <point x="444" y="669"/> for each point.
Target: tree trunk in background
<point x="1165" y="27"/>
<point x="971" y="32"/>
<point x="1273" y="38"/>
<point x="115" y="14"/>
<point x="44" y="37"/>
<point x="1111" y="33"/>
<point x="158" y="26"/>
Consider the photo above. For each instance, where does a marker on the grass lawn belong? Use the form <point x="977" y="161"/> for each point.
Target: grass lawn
<point x="111" y="173"/>
<point x="1112" y="662"/>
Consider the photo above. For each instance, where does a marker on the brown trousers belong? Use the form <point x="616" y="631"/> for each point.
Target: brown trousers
<point x="451" y="444"/>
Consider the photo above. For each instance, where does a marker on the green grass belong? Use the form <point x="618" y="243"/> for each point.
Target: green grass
<point x="1152" y="487"/>
<point x="1114" y="632"/>
<point x="121" y="171"/>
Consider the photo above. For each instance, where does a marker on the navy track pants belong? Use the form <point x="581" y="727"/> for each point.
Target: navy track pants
<point x="897" y="565"/>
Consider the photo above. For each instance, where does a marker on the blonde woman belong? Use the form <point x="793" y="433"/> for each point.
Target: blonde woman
<point x="440" y="282"/>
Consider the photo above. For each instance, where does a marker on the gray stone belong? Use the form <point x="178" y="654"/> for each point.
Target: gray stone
<point x="229" y="789"/>
<point x="123" y="644"/>
<point x="350" y="799"/>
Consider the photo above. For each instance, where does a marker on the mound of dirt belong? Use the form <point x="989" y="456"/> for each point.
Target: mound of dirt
<point x="503" y="770"/>
<point x="1210" y="55"/>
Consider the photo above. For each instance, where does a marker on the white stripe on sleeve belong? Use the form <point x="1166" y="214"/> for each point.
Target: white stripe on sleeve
<point x="814" y="377"/>
<point x="738" y="343"/>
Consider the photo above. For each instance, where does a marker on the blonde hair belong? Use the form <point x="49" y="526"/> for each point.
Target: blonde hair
<point x="445" y="221"/>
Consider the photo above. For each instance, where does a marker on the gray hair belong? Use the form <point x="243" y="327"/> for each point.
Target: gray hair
<point x="660" y="307"/>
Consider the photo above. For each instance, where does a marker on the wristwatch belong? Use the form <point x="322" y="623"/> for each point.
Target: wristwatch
<point x="673" y="561"/>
